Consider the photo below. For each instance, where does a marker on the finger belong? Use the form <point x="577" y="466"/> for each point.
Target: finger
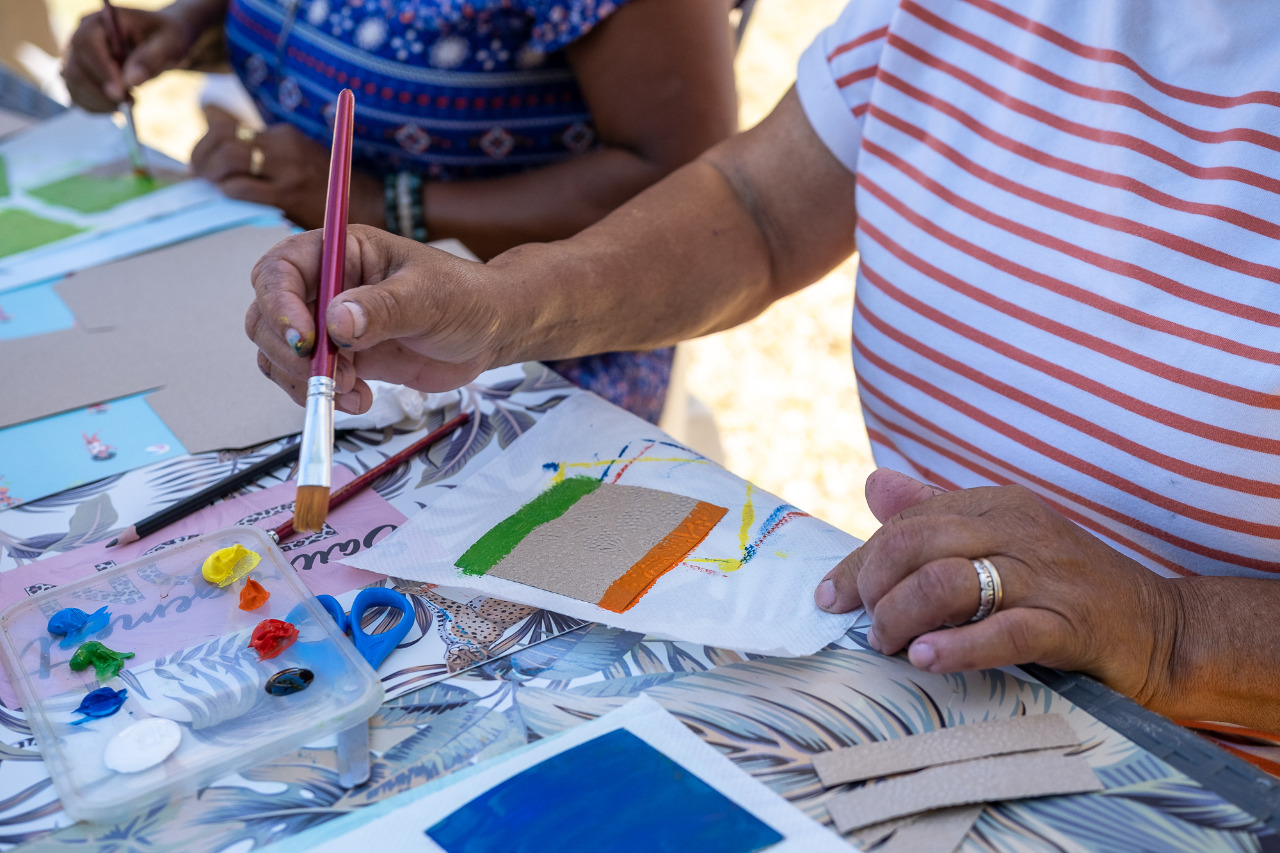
<point x="284" y="281"/>
<point x="942" y="593"/>
<point x="890" y="492"/>
<point x="1009" y="637"/>
<point x="357" y="400"/>
<point x="91" y="71"/>
<point x="837" y="592"/>
<point x="286" y="365"/>
<point x="902" y="546"/>
<point x="296" y="391"/>
<point x="245" y="188"/>
<point x="401" y="306"/>
<point x="220" y="121"/>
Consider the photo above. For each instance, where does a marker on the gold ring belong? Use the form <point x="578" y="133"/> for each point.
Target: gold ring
<point x="245" y="133"/>
<point x="256" y="160"/>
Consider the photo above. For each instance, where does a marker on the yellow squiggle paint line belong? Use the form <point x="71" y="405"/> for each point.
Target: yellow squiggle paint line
<point x="724" y="564"/>
<point x="748" y="518"/>
<point x="565" y="466"/>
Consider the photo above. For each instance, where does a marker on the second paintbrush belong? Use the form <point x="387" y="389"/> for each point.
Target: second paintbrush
<point x="345" y="493"/>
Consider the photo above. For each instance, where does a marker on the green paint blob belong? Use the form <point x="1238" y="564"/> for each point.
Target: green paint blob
<point x="20" y="230"/>
<point x="105" y="662"/>
<point x="4" y="178"/>
<point x="90" y="193"/>
<point x="490" y="548"/>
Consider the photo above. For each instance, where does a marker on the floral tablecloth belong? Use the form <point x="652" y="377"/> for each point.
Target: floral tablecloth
<point x="769" y="715"/>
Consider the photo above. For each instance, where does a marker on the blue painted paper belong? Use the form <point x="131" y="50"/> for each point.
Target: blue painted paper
<point x="44" y="456"/>
<point x="33" y="310"/>
<point x="612" y="793"/>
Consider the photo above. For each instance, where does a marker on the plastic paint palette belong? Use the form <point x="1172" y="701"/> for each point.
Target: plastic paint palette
<point x="192" y="665"/>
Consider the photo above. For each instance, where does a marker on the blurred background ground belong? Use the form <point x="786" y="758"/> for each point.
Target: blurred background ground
<point x="781" y="387"/>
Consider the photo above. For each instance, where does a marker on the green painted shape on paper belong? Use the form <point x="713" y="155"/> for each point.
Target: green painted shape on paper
<point x="21" y="230"/>
<point x="96" y="193"/>
<point x="4" y="178"/>
<point x="490" y="548"/>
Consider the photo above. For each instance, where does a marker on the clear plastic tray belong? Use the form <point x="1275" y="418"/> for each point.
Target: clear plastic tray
<point x="192" y="665"/>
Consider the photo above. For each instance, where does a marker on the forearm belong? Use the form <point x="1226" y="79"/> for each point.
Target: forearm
<point x="711" y="246"/>
<point x="1223" y="659"/>
<point x="196" y="16"/>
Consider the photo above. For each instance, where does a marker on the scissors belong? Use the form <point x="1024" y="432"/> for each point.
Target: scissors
<point x="374" y="648"/>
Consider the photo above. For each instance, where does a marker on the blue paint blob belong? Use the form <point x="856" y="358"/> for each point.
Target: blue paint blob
<point x="102" y="702"/>
<point x="612" y="793"/>
<point x="75" y="626"/>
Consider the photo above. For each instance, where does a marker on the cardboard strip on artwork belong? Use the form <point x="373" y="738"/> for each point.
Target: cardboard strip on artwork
<point x="945" y="746"/>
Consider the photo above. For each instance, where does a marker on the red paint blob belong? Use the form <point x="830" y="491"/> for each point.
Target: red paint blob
<point x="271" y="637"/>
<point x="253" y="595"/>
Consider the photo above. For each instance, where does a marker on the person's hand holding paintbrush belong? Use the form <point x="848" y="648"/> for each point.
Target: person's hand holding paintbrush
<point x="101" y="66"/>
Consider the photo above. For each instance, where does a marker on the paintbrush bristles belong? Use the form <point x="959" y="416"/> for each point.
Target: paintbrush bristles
<point x="310" y="508"/>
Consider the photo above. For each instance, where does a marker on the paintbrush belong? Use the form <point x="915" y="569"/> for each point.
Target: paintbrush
<point x="115" y="42"/>
<point x="315" y="467"/>
<point x="344" y="493"/>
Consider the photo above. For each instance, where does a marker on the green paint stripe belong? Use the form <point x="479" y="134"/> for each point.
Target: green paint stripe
<point x="4" y="178"/>
<point x="490" y="548"/>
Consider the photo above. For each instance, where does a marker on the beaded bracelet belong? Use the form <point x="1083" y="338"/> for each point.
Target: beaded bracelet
<point x="406" y="216"/>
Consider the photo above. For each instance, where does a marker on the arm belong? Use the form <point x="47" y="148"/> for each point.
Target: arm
<point x="154" y="42"/>
<point x="1198" y="648"/>
<point x="756" y="218"/>
<point x="657" y="76"/>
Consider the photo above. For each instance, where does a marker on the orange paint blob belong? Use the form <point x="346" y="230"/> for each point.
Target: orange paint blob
<point x="253" y="595"/>
<point x="271" y="637"/>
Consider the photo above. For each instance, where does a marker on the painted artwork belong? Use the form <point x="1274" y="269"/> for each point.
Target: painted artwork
<point x="612" y="793"/>
<point x="593" y="541"/>
<point x="103" y="187"/>
<point x="21" y="230"/>
<point x="602" y="517"/>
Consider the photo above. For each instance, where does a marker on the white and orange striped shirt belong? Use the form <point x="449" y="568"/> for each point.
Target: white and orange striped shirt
<point x="1069" y="228"/>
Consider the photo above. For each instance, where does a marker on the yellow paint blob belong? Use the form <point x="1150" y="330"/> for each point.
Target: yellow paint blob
<point x="227" y="565"/>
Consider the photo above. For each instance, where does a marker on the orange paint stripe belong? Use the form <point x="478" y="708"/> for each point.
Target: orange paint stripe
<point x="623" y="593"/>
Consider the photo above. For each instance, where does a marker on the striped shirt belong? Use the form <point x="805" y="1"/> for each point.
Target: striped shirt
<point x="1070" y="257"/>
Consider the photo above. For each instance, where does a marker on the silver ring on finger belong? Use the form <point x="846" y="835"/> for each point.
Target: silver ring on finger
<point x="244" y="133"/>
<point x="990" y="589"/>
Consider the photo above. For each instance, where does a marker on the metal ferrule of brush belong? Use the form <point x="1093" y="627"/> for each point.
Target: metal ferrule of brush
<point x="315" y="457"/>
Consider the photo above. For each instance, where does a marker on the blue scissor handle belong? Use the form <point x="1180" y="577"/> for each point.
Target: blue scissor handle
<point x="334" y="609"/>
<point x="374" y="648"/>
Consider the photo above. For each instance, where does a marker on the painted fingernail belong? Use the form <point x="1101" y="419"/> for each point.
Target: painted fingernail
<point x="872" y="640"/>
<point x="921" y="654"/>
<point x="294" y="339"/>
<point x="825" y="595"/>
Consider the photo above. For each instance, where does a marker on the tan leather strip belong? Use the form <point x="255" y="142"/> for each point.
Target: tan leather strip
<point x="936" y="832"/>
<point x="945" y="746"/>
<point x="1007" y="777"/>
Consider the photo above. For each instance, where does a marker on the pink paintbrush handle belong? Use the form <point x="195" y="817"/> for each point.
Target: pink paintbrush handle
<point x="334" y="251"/>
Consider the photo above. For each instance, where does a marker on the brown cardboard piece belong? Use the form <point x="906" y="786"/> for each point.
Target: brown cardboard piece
<point x="945" y="746"/>
<point x="585" y="550"/>
<point x="1006" y="777"/>
<point x="170" y="322"/>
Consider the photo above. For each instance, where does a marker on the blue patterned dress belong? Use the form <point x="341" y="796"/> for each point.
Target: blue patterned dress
<point x="453" y="90"/>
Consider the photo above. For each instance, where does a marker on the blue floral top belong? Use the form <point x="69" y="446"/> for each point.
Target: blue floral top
<point x="448" y="88"/>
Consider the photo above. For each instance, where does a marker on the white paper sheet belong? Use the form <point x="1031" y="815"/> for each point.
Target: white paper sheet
<point x="748" y="586"/>
<point x="399" y="823"/>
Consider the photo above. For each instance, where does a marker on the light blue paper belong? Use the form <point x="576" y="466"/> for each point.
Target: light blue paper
<point x="45" y="456"/>
<point x="33" y="310"/>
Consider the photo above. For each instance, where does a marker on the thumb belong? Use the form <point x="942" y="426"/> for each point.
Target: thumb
<point x="890" y="492"/>
<point x="159" y="52"/>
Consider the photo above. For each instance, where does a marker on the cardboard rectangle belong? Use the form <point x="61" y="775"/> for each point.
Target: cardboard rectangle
<point x="937" y="832"/>
<point x="170" y="322"/>
<point x="1007" y="777"/>
<point x="584" y="551"/>
<point x="945" y="746"/>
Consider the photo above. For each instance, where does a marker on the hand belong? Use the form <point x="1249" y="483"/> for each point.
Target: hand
<point x="409" y="314"/>
<point x="1070" y="601"/>
<point x="292" y="172"/>
<point x="153" y="42"/>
